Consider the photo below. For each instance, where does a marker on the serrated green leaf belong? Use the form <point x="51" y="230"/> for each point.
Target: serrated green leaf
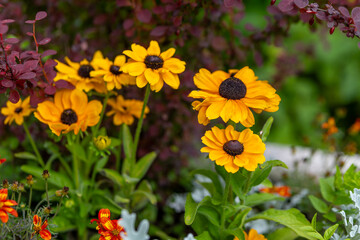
<point x="330" y="231"/>
<point x="266" y="128"/>
<point x="143" y="165"/>
<point x="260" y="198"/>
<point x="291" y="218"/>
<point x="319" y="204"/>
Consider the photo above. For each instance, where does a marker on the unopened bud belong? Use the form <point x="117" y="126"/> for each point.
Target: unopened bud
<point x="102" y="142"/>
<point x="47" y="210"/>
<point x="15" y="186"/>
<point x="63" y="192"/>
<point x="311" y="21"/>
<point x="30" y="180"/>
<point x="46" y="174"/>
<point x="5" y="184"/>
<point x="21" y="187"/>
<point x="332" y="30"/>
<point x="273" y="2"/>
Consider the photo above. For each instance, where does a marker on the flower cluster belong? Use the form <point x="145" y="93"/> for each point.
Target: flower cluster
<point x="232" y="96"/>
<point x="108" y="229"/>
<point x="330" y="127"/>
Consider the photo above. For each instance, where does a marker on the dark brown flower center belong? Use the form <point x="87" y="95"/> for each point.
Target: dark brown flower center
<point x="68" y="117"/>
<point x="84" y="71"/>
<point x="154" y="62"/>
<point x="232" y="88"/>
<point x="18" y="110"/>
<point x="233" y="147"/>
<point x="115" y="70"/>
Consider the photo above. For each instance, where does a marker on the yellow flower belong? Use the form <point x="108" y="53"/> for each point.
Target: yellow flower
<point x="233" y="149"/>
<point x="17" y="111"/>
<point x="125" y="110"/>
<point x="153" y="67"/>
<point x="102" y="142"/>
<point x="78" y="74"/>
<point x="70" y="111"/>
<point x="253" y="235"/>
<point x="111" y="73"/>
<point x="232" y="95"/>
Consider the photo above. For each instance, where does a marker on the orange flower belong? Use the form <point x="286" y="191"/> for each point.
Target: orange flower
<point x="355" y="128"/>
<point x="112" y="230"/>
<point x="39" y="228"/>
<point x="103" y="214"/>
<point x="5" y="206"/>
<point x="253" y="235"/>
<point x="2" y="160"/>
<point x="330" y="125"/>
<point x="283" y="191"/>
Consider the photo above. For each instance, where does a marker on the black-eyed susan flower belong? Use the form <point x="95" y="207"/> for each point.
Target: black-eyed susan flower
<point x="253" y="235"/>
<point x="6" y="206"/>
<point x="70" y="111"/>
<point x="40" y="228"/>
<point x="110" y="71"/>
<point x="233" y="149"/>
<point x="153" y="67"/>
<point x="78" y="74"/>
<point x="232" y="95"/>
<point x="17" y="111"/>
<point x="124" y="110"/>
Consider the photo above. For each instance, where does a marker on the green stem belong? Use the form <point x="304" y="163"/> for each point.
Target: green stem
<point x="140" y="122"/>
<point x="247" y="186"/>
<point x="57" y="210"/>
<point x="19" y="198"/>
<point x="30" y="196"/>
<point x="101" y="115"/>
<point x="224" y="203"/>
<point x="47" y="192"/>
<point x="39" y="158"/>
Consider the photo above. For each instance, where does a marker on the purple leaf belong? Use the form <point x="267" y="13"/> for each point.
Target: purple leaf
<point x="40" y="15"/>
<point x="7" y="83"/>
<point x="44" y="41"/>
<point x="27" y="75"/>
<point x="123" y="3"/>
<point x="144" y="16"/>
<point x="7" y="21"/>
<point x="30" y="21"/>
<point x="218" y="43"/>
<point x="50" y="63"/>
<point x="177" y="21"/>
<point x="128" y="23"/>
<point x="344" y="11"/>
<point x="64" y="84"/>
<point x="12" y="40"/>
<point x="3" y="28"/>
<point x="50" y="90"/>
<point x="321" y="16"/>
<point x="286" y="5"/>
<point x="30" y="65"/>
<point x="48" y="53"/>
<point x="306" y="17"/>
<point x="355" y="14"/>
<point x="14" y="96"/>
<point x="158" y="31"/>
<point x="301" y="3"/>
<point x="229" y="3"/>
<point x="30" y="34"/>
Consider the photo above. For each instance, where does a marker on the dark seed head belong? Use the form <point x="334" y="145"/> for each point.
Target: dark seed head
<point x="68" y="117"/>
<point x="18" y="110"/>
<point x="154" y="62"/>
<point x="232" y="88"/>
<point x="233" y="147"/>
<point x="115" y="70"/>
<point x="84" y="71"/>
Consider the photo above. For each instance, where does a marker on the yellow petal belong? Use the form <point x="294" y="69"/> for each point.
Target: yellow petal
<point x="167" y="54"/>
<point x="152" y="76"/>
<point x="141" y="81"/>
<point x="215" y="109"/>
<point x="158" y="86"/>
<point x="246" y="75"/>
<point x="153" y="49"/>
<point x="231" y="167"/>
<point x="120" y="60"/>
<point x="171" y="79"/>
<point x="174" y="65"/>
<point x="140" y="51"/>
<point x="134" y="68"/>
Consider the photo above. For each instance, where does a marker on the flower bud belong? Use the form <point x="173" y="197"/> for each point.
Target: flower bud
<point x="47" y="210"/>
<point x="30" y="180"/>
<point x="46" y="174"/>
<point x="102" y="142"/>
<point x="21" y="187"/>
<point x="14" y="186"/>
<point x="5" y="184"/>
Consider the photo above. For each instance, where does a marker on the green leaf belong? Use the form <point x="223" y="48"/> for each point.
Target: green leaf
<point x="210" y="213"/>
<point x="100" y="164"/>
<point x="330" y="231"/>
<point x="330" y="216"/>
<point x="266" y="129"/>
<point x="56" y="179"/>
<point x="102" y="201"/>
<point x="116" y="177"/>
<point x="217" y="187"/>
<point x="319" y="204"/>
<point x="148" y="195"/>
<point x="313" y="221"/>
<point x="143" y="165"/>
<point x="262" y="173"/>
<point x="239" y="219"/>
<point x="282" y="234"/>
<point x="204" y="236"/>
<point x="25" y="155"/>
<point x="260" y="198"/>
<point x="127" y="142"/>
<point x="327" y="189"/>
<point x="237" y="181"/>
<point x="238" y="232"/>
<point x="221" y="171"/>
<point x="267" y="183"/>
<point x="291" y="218"/>
<point x="78" y="151"/>
<point x="191" y="208"/>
